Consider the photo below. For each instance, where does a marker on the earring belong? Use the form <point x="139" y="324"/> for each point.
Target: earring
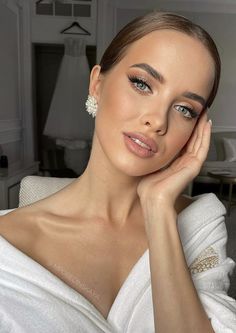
<point x="91" y="105"/>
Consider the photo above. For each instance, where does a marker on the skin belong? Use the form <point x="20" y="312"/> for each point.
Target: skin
<point x="124" y="199"/>
<point x="130" y="110"/>
<point x="152" y="113"/>
<point x="186" y="66"/>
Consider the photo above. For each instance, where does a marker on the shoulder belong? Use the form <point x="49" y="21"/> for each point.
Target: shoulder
<point x="20" y="226"/>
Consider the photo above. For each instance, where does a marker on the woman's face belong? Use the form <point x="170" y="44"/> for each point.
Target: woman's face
<point x="158" y="90"/>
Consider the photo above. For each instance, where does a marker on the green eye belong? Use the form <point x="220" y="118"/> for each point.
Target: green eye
<point x="140" y="84"/>
<point x="187" y="112"/>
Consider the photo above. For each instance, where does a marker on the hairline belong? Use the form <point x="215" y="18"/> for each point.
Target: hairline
<point x="126" y="48"/>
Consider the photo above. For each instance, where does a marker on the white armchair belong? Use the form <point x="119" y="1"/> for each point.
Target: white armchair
<point x="34" y="188"/>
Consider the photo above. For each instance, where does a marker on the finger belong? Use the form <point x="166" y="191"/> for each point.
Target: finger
<point x="205" y="143"/>
<point x="190" y="144"/>
<point x="195" y="135"/>
<point x="200" y="133"/>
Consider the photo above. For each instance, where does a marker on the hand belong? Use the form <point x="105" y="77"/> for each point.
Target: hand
<point x="166" y="185"/>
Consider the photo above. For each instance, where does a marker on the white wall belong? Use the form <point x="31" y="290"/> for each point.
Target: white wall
<point x="46" y="29"/>
<point x="222" y="28"/>
<point x="9" y="99"/>
<point x="10" y="133"/>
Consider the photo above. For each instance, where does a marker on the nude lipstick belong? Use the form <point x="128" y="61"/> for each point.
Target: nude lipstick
<point x="139" y="144"/>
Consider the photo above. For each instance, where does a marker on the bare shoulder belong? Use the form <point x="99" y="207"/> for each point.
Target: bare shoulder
<point x="19" y="226"/>
<point x="183" y="202"/>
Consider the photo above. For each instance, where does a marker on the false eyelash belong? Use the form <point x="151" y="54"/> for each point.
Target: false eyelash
<point x="136" y="79"/>
<point x="193" y="113"/>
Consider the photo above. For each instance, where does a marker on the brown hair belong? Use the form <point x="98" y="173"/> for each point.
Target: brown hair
<point x="153" y="21"/>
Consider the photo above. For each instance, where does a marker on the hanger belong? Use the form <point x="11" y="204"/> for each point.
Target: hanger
<point x="75" y="24"/>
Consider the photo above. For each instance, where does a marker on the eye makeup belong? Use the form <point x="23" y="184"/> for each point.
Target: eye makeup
<point x="188" y="112"/>
<point x="140" y="84"/>
<point x="143" y="86"/>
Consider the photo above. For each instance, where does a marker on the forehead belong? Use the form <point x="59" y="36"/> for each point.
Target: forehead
<point x="175" y="54"/>
<point x="174" y="43"/>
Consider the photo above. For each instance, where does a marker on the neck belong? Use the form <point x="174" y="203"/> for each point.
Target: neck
<point x="107" y="192"/>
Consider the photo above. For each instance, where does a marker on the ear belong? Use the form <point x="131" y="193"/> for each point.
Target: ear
<point x="95" y="82"/>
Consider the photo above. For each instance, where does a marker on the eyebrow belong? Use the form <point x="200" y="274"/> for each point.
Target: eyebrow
<point x="195" y="97"/>
<point x="150" y="70"/>
<point x="156" y="75"/>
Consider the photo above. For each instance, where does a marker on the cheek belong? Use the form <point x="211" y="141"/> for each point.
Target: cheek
<point x="178" y="139"/>
<point x="117" y="101"/>
<point x="181" y="140"/>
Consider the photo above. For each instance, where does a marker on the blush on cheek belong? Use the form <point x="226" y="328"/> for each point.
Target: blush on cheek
<point x="180" y="143"/>
<point x="183" y="140"/>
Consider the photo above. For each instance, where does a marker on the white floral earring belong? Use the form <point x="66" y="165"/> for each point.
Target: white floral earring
<point x="91" y="105"/>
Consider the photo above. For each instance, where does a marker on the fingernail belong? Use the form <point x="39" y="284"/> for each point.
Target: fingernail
<point x="210" y="122"/>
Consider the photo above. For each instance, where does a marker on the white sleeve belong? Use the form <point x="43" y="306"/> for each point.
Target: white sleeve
<point x="210" y="273"/>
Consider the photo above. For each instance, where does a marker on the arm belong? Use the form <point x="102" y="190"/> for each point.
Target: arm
<point x="176" y="305"/>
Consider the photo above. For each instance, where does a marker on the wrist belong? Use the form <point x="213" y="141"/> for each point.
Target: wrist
<point x="155" y="207"/>
<point x="158" y="217"/>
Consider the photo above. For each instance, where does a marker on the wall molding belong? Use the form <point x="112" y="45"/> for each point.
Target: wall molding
<point x="208" y="6"/>
<point x="10" y="131"/>
<point x="223" y="129"/>
<point x="9" y="136"/>
<point x="9" y="124"/>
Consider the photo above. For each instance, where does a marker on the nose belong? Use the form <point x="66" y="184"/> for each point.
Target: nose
<point x="157" y="121"/>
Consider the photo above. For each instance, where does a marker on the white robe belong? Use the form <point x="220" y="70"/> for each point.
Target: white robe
<point x="33" y="300"/>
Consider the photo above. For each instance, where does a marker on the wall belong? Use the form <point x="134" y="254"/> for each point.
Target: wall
<point x="9" y="98"/>
<point x="222" y="28"/>
<point x="46" y="29"/>
<point x="10" y="113"/>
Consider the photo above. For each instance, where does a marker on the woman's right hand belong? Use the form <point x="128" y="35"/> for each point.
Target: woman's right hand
<point x="166" y="185"/>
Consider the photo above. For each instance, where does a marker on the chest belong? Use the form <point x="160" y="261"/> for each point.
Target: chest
<point x="96" y="271"/>
<point x="93" y="264"/>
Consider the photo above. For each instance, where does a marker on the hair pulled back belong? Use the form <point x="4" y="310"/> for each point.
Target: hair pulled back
<point x="154" y="21"/>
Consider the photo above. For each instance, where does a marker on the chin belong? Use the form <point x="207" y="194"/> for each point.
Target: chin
<point x="136" y="169"/>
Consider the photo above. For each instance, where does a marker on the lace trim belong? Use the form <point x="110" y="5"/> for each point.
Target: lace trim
<point x="206" y="260"/>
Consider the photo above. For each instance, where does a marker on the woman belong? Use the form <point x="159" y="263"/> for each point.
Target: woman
<point x="120" y="249"/>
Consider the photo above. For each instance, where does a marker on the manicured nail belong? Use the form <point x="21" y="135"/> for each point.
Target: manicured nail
<point x="210" y="122"/>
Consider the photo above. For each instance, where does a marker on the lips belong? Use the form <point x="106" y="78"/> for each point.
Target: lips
<point x="141" y="137"/>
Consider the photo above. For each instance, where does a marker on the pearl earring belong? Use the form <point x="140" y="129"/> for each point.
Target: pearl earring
<point x="91" y="105"/>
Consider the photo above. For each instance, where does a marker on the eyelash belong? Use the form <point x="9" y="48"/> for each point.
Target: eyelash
<point x="192" y="114"/>
<point x="137" y="80"/>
